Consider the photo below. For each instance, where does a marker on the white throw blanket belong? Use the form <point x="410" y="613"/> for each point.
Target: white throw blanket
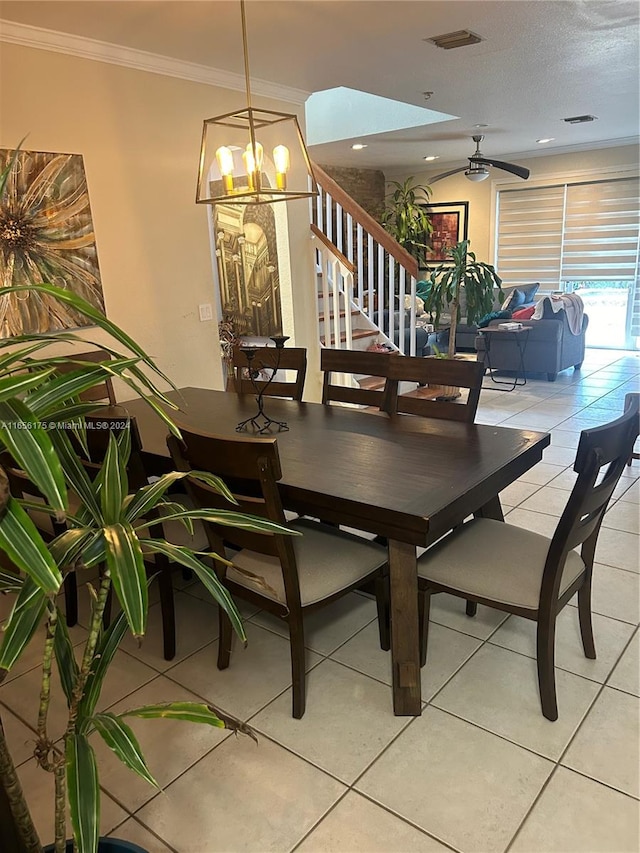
<point x="570" y="303"/>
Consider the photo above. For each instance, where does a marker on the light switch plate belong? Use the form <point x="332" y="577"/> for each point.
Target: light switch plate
<point x="205" y="312"/>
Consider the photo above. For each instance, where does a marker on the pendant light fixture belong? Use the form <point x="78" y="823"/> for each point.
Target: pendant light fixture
<point x="253" y="156"/>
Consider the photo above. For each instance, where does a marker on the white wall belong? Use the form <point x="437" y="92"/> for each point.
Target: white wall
<point x="139" y="134"/>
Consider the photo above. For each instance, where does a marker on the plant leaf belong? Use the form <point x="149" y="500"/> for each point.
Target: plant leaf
<point x="113" y="481"/>
<point x="68" y="547"/>
<point x="76" y="474"/>
<point x="147" y="497"/>
<point x="10" y="582"/>
<point x="23" y="622"/>
<point x="229" y="518"/>
<point x="105" y="650"/>
<point x="120" y="739"/>
<point x="128" y="574"/>
<point x="191" y="712"/>
<point x="83" y="792"/>
<point x="22" y="542"/>
<point x="33" y="450"/>
<point x="12" y="386"/>
<point x="67" y="664"/>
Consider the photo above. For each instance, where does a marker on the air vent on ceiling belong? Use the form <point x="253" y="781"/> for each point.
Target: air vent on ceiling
<point x="579" y="119"/>
<point x="461" y="38"/>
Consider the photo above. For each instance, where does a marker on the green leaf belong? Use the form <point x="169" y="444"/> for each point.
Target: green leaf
<point x="229" y="518"/>
<point x="105" y="650"/>
<point x="120" y="739"/>
<point x="10" y="582"/>
<point x="72" y="384"/>
<point x="76" y="474"/>
<point x="68" y="547"/>
<point x="83" y="792"/>
<point x="190" y="712"/>
<point x="186" y="557"/>
<point x="67" y="664"/>
<point x="128" y="574"/>
<point x="33" y="450"/>
<point x="148" y="497"/>
<point x="23" y="622"/>
<point x="12" y="386"/>
<point x="113" y="481"/>
<point x="22" y="542"/>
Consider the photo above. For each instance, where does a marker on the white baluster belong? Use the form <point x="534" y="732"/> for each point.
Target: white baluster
<point x="348" y="296"/>
<point x="339" y="236"/>
<point x="328" y="225"/>
<point x="401" y="312"/>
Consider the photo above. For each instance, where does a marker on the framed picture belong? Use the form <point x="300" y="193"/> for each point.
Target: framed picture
<point x="450" y="221"/>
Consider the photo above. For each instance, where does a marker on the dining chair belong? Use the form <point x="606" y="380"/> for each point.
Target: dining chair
<point x="287" y="575"/>
<point x="373" y="367"/>
<point x="629" y="401"/>
<point x="101" y="391"/>
<point x="530" y="575"/>
<point x="459" y="373"/>
<point x="262" y="363"/>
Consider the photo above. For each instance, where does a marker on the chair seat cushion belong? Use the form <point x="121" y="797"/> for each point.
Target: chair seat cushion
<point x="328" y="561"/>
<point x="495" y="560"/>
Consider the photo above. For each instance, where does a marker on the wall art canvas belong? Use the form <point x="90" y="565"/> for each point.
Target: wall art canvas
<point x="46" y="237"/>
<point x="450" y="223"/>
<point x="247" y="262"/>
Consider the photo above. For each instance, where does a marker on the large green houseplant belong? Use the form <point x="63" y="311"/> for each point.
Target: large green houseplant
<point x="39" y="411"/>
<point x="479" y="281"/>
<point x="405" y="217"/>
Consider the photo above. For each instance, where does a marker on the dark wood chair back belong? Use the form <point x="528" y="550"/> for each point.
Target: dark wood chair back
<point x="266" y="359"/>
<point x="102" y="391"/>
<point x="458" y="373"/>
<point x="373" y="365"/>
<point x="602" y="453"/>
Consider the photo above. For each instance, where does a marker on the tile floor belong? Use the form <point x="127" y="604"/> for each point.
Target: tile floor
<point x="481" y="771"/>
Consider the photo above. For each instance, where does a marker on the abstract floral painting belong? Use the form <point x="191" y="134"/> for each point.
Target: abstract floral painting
<point x="46" y="236"/>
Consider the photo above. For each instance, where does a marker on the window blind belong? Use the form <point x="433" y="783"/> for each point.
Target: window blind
<point x="581" y="231"/>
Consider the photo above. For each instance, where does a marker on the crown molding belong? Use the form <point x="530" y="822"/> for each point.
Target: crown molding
<point x="141" y="60"/>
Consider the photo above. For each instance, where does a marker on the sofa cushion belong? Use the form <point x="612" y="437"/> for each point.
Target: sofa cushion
<point x="513" y="300"/>
<point x="523" y="313"/>
<point x="529" y="291"/>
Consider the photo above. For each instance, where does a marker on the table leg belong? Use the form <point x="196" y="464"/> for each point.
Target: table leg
<point x="492" y="509"/>
<point x="405" y="642"/>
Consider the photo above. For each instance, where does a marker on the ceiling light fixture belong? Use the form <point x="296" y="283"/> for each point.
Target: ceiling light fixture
<point x="432" y="157"/>
<point x="358" y="146"/>
<point x="580" y="119"/>
<point x="476" y="175"/>
<point x="545" y="139"/>
<point x="253" y="156"/>
<point x="481" y="125"/>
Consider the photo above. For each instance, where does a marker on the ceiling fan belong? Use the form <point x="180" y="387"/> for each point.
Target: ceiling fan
<point x="477" y="170"/>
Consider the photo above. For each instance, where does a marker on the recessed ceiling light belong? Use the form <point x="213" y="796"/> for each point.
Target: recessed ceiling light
<point x="545" y="139"/>
<point x="432" y="157"/>
<point x="358" y="146"/>
<point x="481" y="125"/>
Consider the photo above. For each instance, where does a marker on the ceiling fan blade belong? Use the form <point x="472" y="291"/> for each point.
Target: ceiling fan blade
<point x="447" y="174"/>
<point x="520" y="171"/>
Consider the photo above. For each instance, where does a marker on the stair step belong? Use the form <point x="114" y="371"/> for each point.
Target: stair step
<point x="371" y="383"/>
<point x="332" y="314"/>
<point x="356" y="335"/>
<point x="424" y="393"/>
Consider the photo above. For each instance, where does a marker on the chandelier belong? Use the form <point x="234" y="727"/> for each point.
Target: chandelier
<point x="253" y="156"/>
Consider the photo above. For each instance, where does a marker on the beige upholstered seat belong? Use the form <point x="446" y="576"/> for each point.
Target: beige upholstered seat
<point x="491" y="559"/>
<point x="328" y="560"/>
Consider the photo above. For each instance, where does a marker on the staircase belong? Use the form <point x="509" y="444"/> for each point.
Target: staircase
<point x="363" y="276"/>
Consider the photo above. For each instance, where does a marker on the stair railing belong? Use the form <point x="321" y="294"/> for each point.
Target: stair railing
<point x="336" y="296"/>
<point x="384" y="274"/>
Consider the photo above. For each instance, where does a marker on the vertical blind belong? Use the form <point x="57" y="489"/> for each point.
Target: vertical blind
<point x="582" y="231"/>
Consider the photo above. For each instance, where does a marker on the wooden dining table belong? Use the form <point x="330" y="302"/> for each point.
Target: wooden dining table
<point x="406" y="478"/>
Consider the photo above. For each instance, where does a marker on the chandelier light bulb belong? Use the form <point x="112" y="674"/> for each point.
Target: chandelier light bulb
<point x="224" y="156"/>
<point x="282" y="163"/>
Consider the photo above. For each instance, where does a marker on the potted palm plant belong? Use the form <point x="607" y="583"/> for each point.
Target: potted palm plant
<point x="463" y="270"/>
<point x="405" y="218"/>
<point x="38" y="410"/>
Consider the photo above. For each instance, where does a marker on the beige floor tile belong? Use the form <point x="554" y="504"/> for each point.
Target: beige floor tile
<point x="626" y="675"/>
<point x="560" y="822"/>
<point x="255" y="676"/>
<point x="259" y="798"/>
<point x="565" y="438"/>
<point x="169" y="746"/>
<point x="448" y="650"/>
<point x="619" y="549"/>
<point x="135" y="833"/>
<point x="38" y="787"/>
<point x="498" y="690"/>
<point x="448" y="610"/>
<point x="632" y="493"/>
<point x="565" y="480"/>
<point x="465" y="786"/>
<point x="348" y="721"/>
<point x="548" y="500"/>
<point x="541" y="473"/>
<point x="197" y="590"/>
<point x="20" y="738"/>
<point x="623" y="516"/>
<point x="540" y="421"/>
<point x="615" y="593"/>
<point x="517" y="492"/>
<point x="611" y="636"/>
<point x="22" y="694"/>
<point x="538" y="522"/>
<point x="196" y="626"/>
<point x="356" y="825"/>
<point x="329" y="627"/>
<point x="607" y="745"/>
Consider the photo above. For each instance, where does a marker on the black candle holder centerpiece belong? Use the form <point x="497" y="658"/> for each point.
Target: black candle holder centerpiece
<point x="261" y="423"/>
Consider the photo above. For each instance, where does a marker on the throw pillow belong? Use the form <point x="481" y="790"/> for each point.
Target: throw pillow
<point x="493" y="315"/>
<point x="524" y="313"/>
<point x="517" y="299"/>
<point x="529" y="291"/>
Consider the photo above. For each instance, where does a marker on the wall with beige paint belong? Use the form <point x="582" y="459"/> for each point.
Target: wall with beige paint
<point x="481" y="195"/>
<point x="139" y="134"/>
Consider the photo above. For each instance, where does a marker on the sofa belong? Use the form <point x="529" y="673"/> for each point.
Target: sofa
<point x="515" y="299"/>
<point x="550" y="347"/>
